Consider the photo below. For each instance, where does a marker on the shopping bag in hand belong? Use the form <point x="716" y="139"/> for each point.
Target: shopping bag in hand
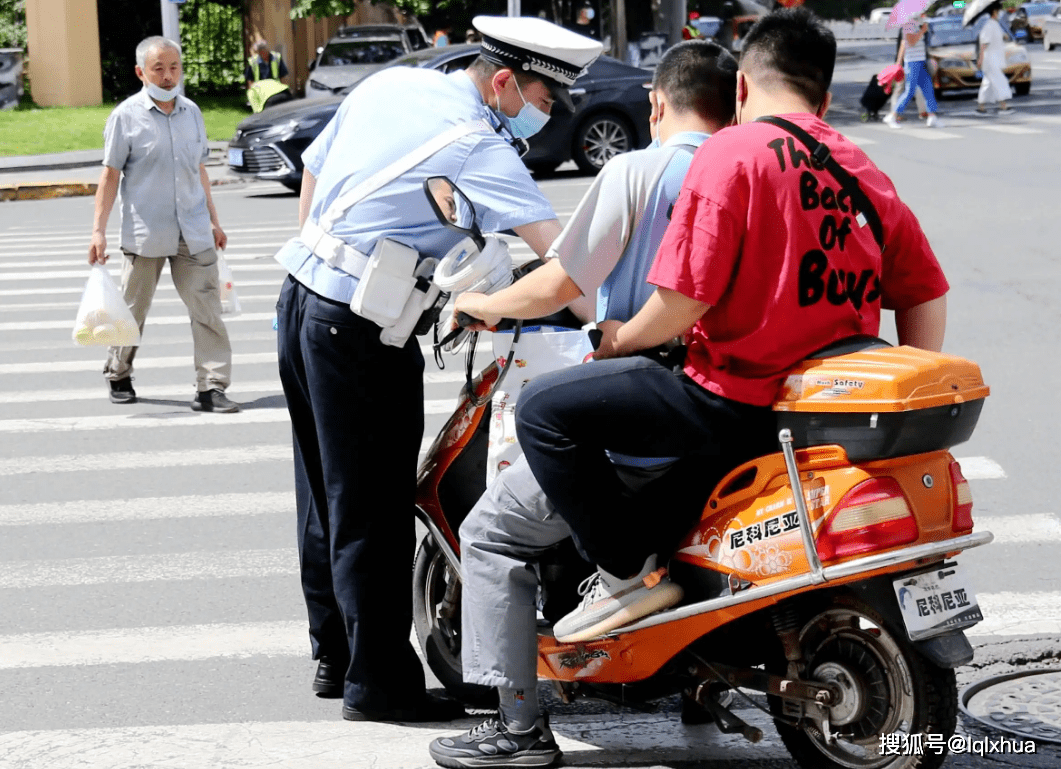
<point x="103" y="317"/>
<point x="229" y="300"/>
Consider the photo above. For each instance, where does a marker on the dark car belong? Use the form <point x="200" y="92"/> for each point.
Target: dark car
<point x="610" y="117"/>
<point x="1029" y="18"/>
<point x="356" y="51"/>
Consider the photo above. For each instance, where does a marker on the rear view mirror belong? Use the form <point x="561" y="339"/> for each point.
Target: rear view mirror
<point x="452" y="207"/>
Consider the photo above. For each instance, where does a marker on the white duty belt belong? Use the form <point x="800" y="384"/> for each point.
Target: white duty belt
<point x="342" y="256"/>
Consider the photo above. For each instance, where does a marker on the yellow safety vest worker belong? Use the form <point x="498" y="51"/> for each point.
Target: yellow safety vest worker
<point x="274" y="65"/>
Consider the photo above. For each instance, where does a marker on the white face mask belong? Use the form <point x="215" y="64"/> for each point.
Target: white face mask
<point x="158" y="93"/>
<point x="527" y="122"/>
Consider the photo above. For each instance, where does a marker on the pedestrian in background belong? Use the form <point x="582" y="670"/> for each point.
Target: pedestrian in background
<point x="992" y="58"/>
<point x="441" y="37"/>
<point x="913" y="55"/>
<point x="264" y="65"/>
<point x="154" y="145"/>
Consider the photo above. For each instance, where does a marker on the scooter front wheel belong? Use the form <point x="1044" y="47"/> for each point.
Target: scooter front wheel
<point x="892" y="696"/>
<point x="437" y="620"/>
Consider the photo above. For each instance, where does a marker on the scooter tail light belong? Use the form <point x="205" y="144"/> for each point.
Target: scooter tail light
<point x="874" y="515"/>
<point x="963" y="499"/>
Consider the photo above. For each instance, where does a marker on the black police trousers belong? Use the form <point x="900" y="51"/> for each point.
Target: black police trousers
<point x="357" y="417"/>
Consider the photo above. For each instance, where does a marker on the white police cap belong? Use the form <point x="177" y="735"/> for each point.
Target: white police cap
<point x="532" y="45"/>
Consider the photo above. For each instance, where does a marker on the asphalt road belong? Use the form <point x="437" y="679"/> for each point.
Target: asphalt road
<point x="150" y="613"/>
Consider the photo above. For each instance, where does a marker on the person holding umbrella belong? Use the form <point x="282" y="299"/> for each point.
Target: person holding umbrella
<point x="994" y="86"/>
<point x="913" y="55"/>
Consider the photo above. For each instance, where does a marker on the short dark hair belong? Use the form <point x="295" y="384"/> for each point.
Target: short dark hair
<point x="487" y="69"/>
<point x="794" y="46"/>
<point x="699" y="76"/>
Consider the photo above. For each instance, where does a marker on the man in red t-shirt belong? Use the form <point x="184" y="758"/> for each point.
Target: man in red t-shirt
<point x="766" y="260"/>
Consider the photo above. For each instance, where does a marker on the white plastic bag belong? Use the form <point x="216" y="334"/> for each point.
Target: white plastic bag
<point x="103" y="317"/>
<point x="540" y="349"/>
<point x="229" y="300"/>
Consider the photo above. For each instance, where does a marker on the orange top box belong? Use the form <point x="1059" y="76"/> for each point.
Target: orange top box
<point x="881" y="380"/>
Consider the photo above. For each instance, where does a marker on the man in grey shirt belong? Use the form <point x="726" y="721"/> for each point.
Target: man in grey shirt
<point x="154" y="148"/>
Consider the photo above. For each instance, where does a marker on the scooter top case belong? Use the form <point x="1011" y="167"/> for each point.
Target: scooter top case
<point x="883" y="402"/>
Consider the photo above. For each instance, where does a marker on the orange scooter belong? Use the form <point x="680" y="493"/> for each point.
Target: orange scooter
<point x="823" y="575"/>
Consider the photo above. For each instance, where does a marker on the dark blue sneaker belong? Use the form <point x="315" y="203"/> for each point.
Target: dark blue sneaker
<point x="491" y="743"/>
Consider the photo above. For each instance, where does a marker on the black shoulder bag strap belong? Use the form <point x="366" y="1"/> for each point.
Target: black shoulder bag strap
<point x="824" y="158"/>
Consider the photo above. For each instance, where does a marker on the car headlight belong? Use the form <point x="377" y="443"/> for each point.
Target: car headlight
<point x="318" y="85"/>
<point x="1017" y="57"/>
<point x="955" y="64"/>
<point x="304" y="124"/>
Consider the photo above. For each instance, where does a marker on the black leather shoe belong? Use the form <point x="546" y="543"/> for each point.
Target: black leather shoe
<point x="328" y="683"/>
<point x="214" y="400"/>
<point x="430" y="709"/>
<point x="122" y="391"/>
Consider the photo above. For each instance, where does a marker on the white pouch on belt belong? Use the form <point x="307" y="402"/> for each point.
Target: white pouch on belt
<point x="386" y="283"/>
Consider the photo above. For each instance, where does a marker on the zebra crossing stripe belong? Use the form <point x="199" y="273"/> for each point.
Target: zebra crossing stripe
<point x="1005" y="614"/>
<point x="159" y="320"/>
<point x="152" y="644"/>
<point x="150" y="460"/>
<point x="150" y="508"/>
<point x="155" y="567"/>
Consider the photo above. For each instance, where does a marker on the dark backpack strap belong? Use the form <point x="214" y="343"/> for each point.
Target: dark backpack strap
<point x="823" y="156"/>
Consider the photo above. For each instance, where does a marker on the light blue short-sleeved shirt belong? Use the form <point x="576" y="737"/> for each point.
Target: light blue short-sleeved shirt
<point x="159" y="155"/>
<point x="382" y="120"/>
<point x="611" y="240"/>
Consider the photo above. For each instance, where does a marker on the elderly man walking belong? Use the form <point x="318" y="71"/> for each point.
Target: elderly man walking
<point x="154" y="145"/>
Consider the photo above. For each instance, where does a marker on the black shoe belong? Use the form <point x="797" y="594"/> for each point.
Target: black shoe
<point x="214" y="400"/>
<point x="328" y="683"/>
<point x="492" y="744"/>
<point x="122" y="391"/>
<point x="430" y="709"/>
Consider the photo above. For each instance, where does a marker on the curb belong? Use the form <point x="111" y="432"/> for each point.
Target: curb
<point x="52" y="190"/>
<point x="45" y="190"/>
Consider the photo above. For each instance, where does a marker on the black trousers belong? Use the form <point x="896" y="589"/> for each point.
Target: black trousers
<point x="567" y="420"/>
<point x="357" y="416"/>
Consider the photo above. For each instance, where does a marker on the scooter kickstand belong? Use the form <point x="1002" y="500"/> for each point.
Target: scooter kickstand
<point x="727" y="721"/>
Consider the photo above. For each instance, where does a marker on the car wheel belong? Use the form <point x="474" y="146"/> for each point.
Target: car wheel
<point x="1022" y="89"/>
<point x="601" y="138"/>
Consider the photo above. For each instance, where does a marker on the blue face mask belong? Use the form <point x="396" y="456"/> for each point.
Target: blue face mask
<point x="529" y="121"/>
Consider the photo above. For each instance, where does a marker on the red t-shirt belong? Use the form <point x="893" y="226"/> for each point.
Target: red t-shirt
<point x="758" y="233"/>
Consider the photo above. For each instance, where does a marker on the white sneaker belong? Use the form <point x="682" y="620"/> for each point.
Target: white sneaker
<point x="934" y="122"/>
<point x="891" y="121"/>
<point x="610" y="602"/>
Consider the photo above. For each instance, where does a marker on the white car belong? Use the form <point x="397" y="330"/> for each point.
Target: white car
<point x="1052" y="30"/>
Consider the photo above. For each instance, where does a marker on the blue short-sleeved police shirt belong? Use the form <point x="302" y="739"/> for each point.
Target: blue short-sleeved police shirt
<point x="387" y="116"/>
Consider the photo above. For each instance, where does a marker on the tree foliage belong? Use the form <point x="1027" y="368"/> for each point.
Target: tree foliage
<point x="12" y="23"/>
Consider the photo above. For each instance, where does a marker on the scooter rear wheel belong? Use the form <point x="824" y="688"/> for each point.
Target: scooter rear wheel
<point x="436" y="618"/>
<point x="889" y="688"/>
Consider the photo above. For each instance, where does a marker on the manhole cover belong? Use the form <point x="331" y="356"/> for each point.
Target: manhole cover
<point x="1027" y="704"/>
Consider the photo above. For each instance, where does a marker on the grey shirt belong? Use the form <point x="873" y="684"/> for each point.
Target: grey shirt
<point x="162" y="196"/>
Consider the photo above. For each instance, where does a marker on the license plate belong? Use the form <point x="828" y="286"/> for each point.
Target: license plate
<point x="936" y="602"/>
<point x="235" y="157"/>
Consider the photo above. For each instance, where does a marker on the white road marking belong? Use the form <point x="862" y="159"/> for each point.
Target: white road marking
<point x="1005" y="614"/>
<point x="1034" y="528"/>
<point x="156" y="567"/>
<point x="262" y="253"/>
<point x="181" y="392"/>
<point x="1010" y="129"/>
<point x="153" y="460"/>
<point x="149" y="508"/>
<point x="152" y="644"/>
<point x="980" y="468"/>
<point x="13" y="277"/>
<point x="70" y="305"/>
<point x="14" y="235"/>
<point x="860" y="140"/>
<point x="163" y="287"/>
<point x="162" y="419"/>
<point x="152" y="320"/>
<point x="145" y="363"/>
<point x="608" y="739"/>
<point x="1010" y="614"/>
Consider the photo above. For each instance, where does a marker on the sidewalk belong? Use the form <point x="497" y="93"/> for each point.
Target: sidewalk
<point x="68" y="174"/>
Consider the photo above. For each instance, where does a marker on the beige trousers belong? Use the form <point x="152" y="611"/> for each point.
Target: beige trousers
<point x="195" y="278"/>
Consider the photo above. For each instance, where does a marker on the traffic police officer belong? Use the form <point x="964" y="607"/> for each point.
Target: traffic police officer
<point x="356" y="403"/>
